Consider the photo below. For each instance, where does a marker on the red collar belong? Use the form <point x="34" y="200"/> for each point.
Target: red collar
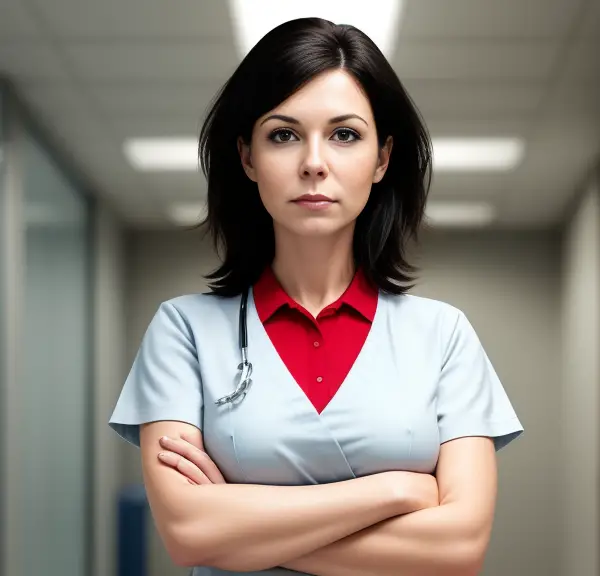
<point x="269" y="296"/>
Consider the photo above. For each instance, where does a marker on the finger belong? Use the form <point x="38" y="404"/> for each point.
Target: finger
<point x="185" y="467"/>
<point x="211" y="469"/>
<point x="198" y="457"/>
<point x="194" y="440"/>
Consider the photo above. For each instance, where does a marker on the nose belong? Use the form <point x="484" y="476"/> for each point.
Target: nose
<point x="314" y="164"/>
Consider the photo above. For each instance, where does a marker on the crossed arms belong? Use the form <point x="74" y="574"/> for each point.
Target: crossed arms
<point x="389" y="523"/>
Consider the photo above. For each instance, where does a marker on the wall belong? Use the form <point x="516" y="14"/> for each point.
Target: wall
<point x="581" y="383"/>
<point x="11" y="303"/>
<point x="109" y="367"/>
<point x="46" y="385"/>
<point x="160" y="265"/>
<point x="55" y="387"/>
<point x="508" y="284"/>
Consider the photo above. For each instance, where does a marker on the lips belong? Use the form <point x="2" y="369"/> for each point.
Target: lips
<point x="313" y="198"/>
<point x="314" y="202"/>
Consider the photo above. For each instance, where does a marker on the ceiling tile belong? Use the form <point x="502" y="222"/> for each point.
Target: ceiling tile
<point x="136" y="18"/>
<point x="590" y="27"/>
<point x="15" y="21"/>
<point x="475" y="59"/>
<point x="583" y="60"/>
<point x="472" y="125"/>
<point x="478" y="185"/>
<point x="29" y="60"/>
<point x="106" y="160"/>
<point x="140" y="209"/>
<point x="155" y="125"/>
<point x="88" y="142"/>
<point x="451" y="97"/>
<point x="577" y="99"/>
<point x="186" y="60"/>
<point x="178" y="187"/>
<point x="49" y="97"/>
<point x="489" y="18"/>
<point x="557" y="158"/>
<point x="154" y="97"/>
<point x="529" y="212"/>
<point x="474" y="67"/>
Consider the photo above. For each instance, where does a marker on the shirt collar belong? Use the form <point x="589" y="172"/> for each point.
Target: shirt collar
<point x="269" y="296"/>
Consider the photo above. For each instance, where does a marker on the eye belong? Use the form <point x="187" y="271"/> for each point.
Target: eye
<point x="346" y="135"/>
<point x="281" y="135"/>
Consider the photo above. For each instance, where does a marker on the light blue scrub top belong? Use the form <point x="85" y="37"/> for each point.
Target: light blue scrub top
<point x="422" y="378"/>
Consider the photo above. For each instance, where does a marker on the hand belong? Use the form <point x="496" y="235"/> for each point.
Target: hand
<point x="190" y="460"/>
<point x="414" y="491"/>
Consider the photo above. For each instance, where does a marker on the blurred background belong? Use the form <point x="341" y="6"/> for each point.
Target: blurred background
<point x="100" y="106"/>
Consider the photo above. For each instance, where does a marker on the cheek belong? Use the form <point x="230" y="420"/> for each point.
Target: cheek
<point x="272" y="176"/>
<point x="356" y="177"/>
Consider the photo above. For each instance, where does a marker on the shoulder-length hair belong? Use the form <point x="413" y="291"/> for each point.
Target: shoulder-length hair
<point x="283" y="61"/>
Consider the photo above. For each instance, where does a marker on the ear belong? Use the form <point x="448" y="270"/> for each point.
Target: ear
<point x="384" y="160"/>
<point x="246" y="158"/>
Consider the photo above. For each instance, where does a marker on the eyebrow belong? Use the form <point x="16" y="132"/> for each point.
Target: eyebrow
<point x="291" y="120"/>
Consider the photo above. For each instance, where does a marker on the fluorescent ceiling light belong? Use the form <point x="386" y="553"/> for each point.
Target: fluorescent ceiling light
<point x="162" y="154"/>
<point x="449" y="154"/>
<point x="187" y="213"/>
<point x="459" y="214"/>
<point x="252" y="19"/>
<point x="476" y="154"/>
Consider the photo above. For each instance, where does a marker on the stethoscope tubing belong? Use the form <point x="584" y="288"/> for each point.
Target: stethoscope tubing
<point x="245" y="366"/>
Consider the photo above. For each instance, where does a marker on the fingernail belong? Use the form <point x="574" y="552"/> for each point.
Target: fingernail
<point x="164" y="439"/>
<point x="164" y="456"/>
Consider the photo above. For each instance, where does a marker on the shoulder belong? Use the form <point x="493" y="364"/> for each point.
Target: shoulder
<point x="187" y="304"/>
<point x="422" y="319"/>
<point x="425" y="310"/>
<point x="194" y="310"/>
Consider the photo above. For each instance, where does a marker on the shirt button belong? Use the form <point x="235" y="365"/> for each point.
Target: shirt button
<point x="316" y="344"/>
<point x="319" y="379"/>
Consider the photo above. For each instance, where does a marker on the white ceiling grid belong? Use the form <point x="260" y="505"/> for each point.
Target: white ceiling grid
<point x="100" y="72"/>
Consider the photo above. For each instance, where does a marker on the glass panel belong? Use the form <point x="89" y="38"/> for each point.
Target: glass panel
<point x="53" y="428"/>
<point x="3" y="345"/>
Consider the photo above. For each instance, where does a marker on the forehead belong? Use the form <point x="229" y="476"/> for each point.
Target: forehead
<point x="330" y="94"/>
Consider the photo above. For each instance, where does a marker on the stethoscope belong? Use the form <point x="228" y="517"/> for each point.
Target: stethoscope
<point x="245" y="366"/>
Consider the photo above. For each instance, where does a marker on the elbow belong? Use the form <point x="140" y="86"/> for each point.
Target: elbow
<point x="184" y="550"/>
<point x="470" y="565"/>
<point x="475" y="558"/>
<point x="469" y="546"/>
<point x="468" y="557"/>
<point x="187" y="548"/>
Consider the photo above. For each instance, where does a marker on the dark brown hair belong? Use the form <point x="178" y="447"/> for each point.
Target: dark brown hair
<point x="283" y="61"/>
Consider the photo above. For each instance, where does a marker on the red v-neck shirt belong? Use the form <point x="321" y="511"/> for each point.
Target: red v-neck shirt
<point x="318" y="352"/>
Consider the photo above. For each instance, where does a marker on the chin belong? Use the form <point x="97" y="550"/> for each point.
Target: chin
<point x="317" y="227"/>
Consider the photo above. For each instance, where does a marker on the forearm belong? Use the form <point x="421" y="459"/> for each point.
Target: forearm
<point x="251" y="527"/>
<point x="443" y="541"/>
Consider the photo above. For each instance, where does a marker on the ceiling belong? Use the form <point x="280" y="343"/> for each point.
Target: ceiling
<point x="96" y="73"/>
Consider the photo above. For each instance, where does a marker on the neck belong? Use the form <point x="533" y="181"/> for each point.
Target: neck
<point x="314" y="271"/>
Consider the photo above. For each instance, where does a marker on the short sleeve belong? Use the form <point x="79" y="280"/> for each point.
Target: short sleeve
<point x="471" y="399"/>
<point x="164" y="381"/>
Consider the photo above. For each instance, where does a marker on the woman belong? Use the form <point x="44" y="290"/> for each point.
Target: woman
<point x="359" y="435"/>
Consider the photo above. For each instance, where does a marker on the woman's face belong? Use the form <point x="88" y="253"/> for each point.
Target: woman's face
<point x="316" y="155"/>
